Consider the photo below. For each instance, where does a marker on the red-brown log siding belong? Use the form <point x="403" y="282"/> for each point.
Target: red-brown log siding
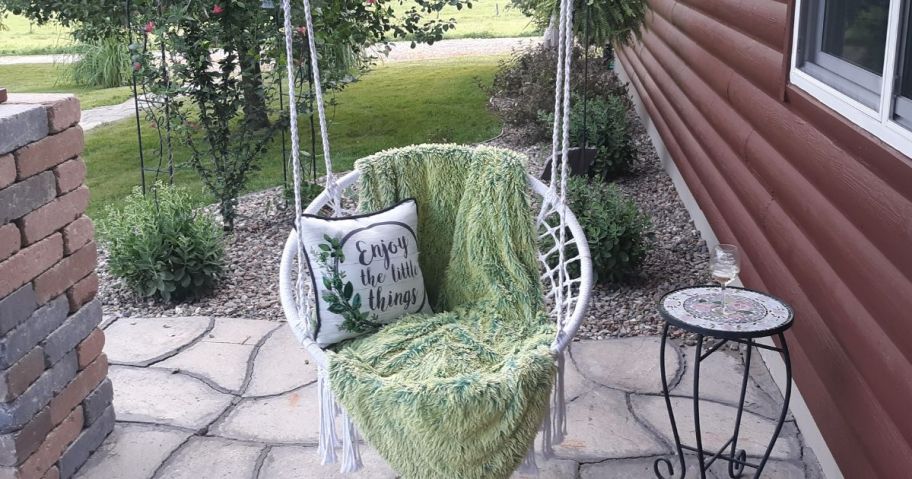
<point x="822" y="209"/>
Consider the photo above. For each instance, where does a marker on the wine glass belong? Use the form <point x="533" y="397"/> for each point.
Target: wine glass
<point x="725" y="264"/>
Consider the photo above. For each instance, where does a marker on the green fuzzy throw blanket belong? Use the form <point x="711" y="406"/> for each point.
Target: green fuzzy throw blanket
<point x="462" y="393"/>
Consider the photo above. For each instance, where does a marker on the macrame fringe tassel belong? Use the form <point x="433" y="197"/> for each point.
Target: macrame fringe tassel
<point x="528" y="466"/>
<point x="328" y="440"/>
<point x="351" y="457"/>
<point x="546" y="446"/>
<point x="559" y="409"/>
<point x="554" y="427"/>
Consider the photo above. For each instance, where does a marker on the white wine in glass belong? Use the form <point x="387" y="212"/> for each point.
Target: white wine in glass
<point x="725" y="264"/>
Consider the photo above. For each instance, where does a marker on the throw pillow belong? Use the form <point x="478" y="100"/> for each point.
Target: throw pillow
<point x="364" y="270"/>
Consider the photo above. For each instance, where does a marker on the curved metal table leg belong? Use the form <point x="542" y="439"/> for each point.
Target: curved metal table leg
<point x="698" y="355"/>
<point x="785" y="402"/>
<point x="674" y="427"/>
<point x="738" y="457"/>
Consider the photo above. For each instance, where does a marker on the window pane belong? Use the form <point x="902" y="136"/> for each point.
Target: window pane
<point x="905" y="61"/>
<point x="856" y="31"/>
<point x="902" y="107"/>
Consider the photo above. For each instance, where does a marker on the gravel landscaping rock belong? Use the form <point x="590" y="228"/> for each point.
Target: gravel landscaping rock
<point x="678" y="257"/>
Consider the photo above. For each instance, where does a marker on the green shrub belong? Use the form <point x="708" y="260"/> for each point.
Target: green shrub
<point x="104" y="63"/>
<point x="161" y="247"/>
<point x="524" y="85"/>
<point x="606" y="130"/>
<point x="615" y="229"/>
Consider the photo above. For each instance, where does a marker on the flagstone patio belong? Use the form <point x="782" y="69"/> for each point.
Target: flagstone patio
<point x="213" y="398"/>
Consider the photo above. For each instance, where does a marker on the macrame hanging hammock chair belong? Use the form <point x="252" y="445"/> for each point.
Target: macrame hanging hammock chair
<point x="565" y="282"/>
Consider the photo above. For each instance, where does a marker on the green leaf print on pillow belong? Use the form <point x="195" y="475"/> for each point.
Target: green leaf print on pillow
<point x="339" y="294"/>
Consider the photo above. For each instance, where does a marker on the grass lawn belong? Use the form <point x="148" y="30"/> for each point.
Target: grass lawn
<point x="486" y="19"/>
<point x="45" y="78"/>
<point x="23" y="38"/>
<point x="395" y="105"/>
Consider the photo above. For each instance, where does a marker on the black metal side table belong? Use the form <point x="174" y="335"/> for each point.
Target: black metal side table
<point x="749" y="315"/>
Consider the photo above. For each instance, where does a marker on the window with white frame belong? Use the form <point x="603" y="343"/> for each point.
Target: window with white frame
<point x="856" y="57"/>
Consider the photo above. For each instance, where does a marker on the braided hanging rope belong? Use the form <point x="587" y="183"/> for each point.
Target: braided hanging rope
<point x="303" y="308"/>
<point x="331" y="186"/>
<point x="556" y="200"/>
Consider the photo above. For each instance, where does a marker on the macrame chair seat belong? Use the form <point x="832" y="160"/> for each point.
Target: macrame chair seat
<point x="503" y="371"/>
<point x="524" y="365"/>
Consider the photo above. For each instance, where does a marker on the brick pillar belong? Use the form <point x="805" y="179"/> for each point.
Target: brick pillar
<point x="55" y="398"/>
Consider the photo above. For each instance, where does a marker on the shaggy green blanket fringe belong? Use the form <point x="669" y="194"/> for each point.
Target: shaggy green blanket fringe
<point x="462" y="393"/>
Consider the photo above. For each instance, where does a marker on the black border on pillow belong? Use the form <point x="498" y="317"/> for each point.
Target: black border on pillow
<point x="313" y="279"/>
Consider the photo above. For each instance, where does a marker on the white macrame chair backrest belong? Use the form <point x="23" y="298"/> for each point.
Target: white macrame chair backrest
<point x="567" y="278"/>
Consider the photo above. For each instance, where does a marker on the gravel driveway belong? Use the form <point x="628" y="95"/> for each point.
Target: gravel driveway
<point x="401" y="51"/>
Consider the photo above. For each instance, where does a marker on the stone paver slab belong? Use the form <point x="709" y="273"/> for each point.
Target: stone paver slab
<point x="290" y="418"/>
<point x="628" y="364"/>
<point x="551" y="469"/>
<point x="132" y="451"/>
<point x="638" y="467"/>
<point x="599" y="426"/>
<point x="239" y="331"/>
<point x="295" y="462"/>
<point x="159" y="396"/>
<point x="575" y="385"/>
<point x="142" y="341"/>
<point x="225" y="364"/>
<point x="281" y="365"/>
<point x="212" y="458"/>
<point x="720" y="380"/>
<point x="717" y="424"/>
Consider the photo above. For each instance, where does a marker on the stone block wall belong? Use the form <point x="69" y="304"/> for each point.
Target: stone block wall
<point x="55" y="398"/>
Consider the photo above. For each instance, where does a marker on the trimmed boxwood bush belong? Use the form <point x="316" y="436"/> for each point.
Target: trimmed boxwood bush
<point x="615" y="229"/>
<point x="161" y="247"/>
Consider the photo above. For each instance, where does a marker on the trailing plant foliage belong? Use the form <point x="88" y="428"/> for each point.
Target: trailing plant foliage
<point x="609" y="21"/>
<point x="103" y="63"/>
<point x="616" y="230"/>
<point x="601" y="123"/>
<point x="160" y="247"/>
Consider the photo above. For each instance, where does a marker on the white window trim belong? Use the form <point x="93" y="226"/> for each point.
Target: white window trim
<point x="879" y="122"/>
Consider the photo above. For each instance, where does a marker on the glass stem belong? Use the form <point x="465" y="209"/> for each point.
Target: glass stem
<point x="723" y="300"/>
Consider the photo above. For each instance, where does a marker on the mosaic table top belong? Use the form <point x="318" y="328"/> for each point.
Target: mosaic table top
<point x="748" y="313"/>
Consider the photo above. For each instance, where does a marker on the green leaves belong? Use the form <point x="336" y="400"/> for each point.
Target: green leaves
<point x="617" y="232"/>
<point x="603" y="119"/>
<point x="160" y="247"/>
<point x="340" y="295"/>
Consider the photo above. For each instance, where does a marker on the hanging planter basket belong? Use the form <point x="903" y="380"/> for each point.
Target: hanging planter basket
<point x="580" y="161"/>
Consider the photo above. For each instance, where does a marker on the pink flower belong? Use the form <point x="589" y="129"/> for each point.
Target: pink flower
<point x="137" y="66"/>
<point x="150" y="26"/>
<point x="370" y="2"/>
<point x="217" y="9"/>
